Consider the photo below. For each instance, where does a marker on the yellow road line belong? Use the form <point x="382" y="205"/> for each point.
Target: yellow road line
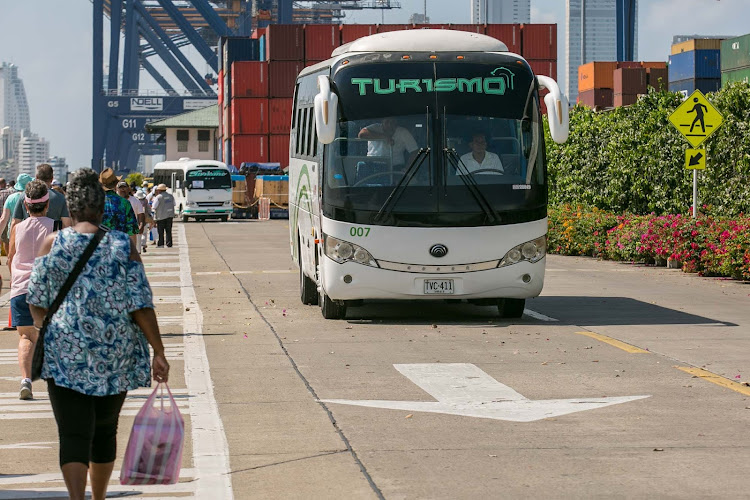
<point x="614" y="342"/>
<point x="715" y="379"/>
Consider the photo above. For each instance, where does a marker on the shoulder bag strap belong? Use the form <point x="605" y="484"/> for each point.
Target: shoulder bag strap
<point x="73" y="276"/>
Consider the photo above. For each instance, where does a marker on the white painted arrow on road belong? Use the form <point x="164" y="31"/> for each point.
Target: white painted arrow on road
<point x="464" y="389"/>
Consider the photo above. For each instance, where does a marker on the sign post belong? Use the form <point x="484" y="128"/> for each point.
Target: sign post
<point x="696" y="119"/>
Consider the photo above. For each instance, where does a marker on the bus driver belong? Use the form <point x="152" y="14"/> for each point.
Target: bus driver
<point x="388" y="139"/>
<point x="479" y="158"/>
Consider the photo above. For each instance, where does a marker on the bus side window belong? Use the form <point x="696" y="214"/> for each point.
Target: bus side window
<point x="310" y="132"/>
<point x="303" y="135"/>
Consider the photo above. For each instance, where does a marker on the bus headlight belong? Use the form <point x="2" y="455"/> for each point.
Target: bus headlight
<point x="192" y="204"/>
<point x="227" y="203"/>
<point x="531" y="251"/>
<point x="342" y="251"/>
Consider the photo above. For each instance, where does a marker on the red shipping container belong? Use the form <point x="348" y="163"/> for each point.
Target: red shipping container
<point x="249" y="79"/>
<point x="630" y="81"/>
<point x="545" y="67"/>
<point x="221" y="88"/>
<point x="285" y="42"/>
<point x="226" y="121"/>
<point x="628" y="64"/>
<point x="257" y="33"/>
<point x="657" y="78"/>
<point x="602" y="98"/>
<point x="351" y="32"/>
<point x="250" y="115"/>
<point x="539" y="41"/>
<point x="384" y="28"/>
<point x="654" y="64"/>
<point x="282" y="77"/>
<point x="510" y="35"/>
<point x="320" y="40"/>
<point x="430" y="26"/>
<point x="279" y="149"/>
<point x="281" y="115"/>
<point x="473" y="28"/>
<point x="311" y="63"/>
<point x="624" y="100"/>
<point x="249" y="148"/>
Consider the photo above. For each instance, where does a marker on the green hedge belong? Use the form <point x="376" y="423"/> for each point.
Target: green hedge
<point x="631" y="159"/>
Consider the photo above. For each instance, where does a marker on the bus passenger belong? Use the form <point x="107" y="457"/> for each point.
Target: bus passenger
<point x="479" y="158"/>
<point x="388" y="139"/>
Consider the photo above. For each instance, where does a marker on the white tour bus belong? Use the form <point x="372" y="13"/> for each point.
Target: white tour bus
<point x="202" y="189"/>
<point x="418" y="171"/>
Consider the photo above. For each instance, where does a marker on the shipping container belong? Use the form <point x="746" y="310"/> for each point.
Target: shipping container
<point x="249" y="79"/>
<point x="698" y="64"/>
<point x="693" y="84"/>
<point x="735" y="75"/>
<point x="281" y="115"/>
<point x="544" y="67"/>
<point x="249" y="115"/>
<point x="509" y="34"/>
<point x="735" y="53"/>
<point x="227" y="152"/>
<point x="630" y="81"/>
<point x="220" y="96"/>
<point x="658" y="78"/>
<point x="472" y="28"/>
<point x="351" y="32"/>
<point x="279" y="149"/>
<point x="320" y="40"/>
<point x="384" y="28"/>
<point x="311" y="63"/>
<point x="697" y="44"/>
<point x="227" y="86"/>
<point x="226" y="122"/>
<point x="249" y="148"/>
<point x="238" y="49"/>
<point x="262" y="48"/>
<point x="602" y="98"/>
<point x="620" y="100"/>
<point x="596" y="75"/>
<point x="629" y="64"/>
<point x="282" y="77"/>
<point x="539" y="41"/>
<point x="285" y="42"/>
<point x="654" y="64"/>
<point x="430" y="26"/>
<point x="257" y="33"/>
<point x="274" y="187"/>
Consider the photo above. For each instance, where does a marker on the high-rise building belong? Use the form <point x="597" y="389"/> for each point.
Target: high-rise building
<point x="32" y="150"/>
<point x="598" y="30"/>
<point x="14" y="108"/>
<point x="59" y="168"/>
<point x="500" y="11"/>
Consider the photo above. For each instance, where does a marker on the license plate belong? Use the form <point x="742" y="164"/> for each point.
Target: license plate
<point x="211" y="210"/>
<point x="438" y="286"/>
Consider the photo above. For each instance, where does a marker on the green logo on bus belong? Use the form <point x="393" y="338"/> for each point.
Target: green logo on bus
<point x="497" y="84"/>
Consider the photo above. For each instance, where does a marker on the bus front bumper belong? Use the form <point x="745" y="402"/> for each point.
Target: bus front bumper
<point x="204" y="211"/>
<point x="519" y="281"/>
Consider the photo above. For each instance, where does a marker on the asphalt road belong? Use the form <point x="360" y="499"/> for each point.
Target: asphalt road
<point x="621" y="381"/>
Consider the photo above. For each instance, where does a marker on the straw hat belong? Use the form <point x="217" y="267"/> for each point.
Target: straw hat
<point x="108" y="179"/>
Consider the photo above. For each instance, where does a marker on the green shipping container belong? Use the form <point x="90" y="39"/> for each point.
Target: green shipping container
<point x="735" y="53"/>
<point x="736" y="75"/>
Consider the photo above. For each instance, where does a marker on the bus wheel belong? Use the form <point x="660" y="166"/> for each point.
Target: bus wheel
<point x="185" y="218"/>
<point x="511" y="308"/>
<point x="331" y="309"/>
<point x="308" y="291"/>
<point x="224" y="218"/>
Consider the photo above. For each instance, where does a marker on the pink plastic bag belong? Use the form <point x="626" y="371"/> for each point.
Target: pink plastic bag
<point x="154" y="452"/>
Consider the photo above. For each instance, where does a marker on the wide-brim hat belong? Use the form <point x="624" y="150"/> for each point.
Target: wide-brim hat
<point x="140" y="195"/>
<point x="21" y="182"/>
<point x="108" y="179"/>
<point x="161" y="187"/>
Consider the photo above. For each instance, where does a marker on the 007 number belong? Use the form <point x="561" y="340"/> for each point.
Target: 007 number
<point x="361" y="232"/>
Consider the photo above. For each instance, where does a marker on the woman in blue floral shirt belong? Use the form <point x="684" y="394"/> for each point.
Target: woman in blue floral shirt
<point x="96" y="345"/>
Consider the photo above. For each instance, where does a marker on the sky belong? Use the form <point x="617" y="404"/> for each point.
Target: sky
<point x="51" y="43"/>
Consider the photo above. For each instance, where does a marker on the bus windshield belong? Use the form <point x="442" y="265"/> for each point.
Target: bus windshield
<point x="436" y="144"/>
<point x="208" y="178"/>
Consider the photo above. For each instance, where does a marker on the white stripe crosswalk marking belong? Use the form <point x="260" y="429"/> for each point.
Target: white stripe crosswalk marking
<point x="167" y="299"/>
<point x="52" y="477"/>
<point x="169" y="320"/>
<point x="149" y="265"/>
<point x="163" y="273"/>
<point x="164" y="284"/>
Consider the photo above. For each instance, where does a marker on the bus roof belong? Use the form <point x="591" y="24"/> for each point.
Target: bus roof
<point x="423" y="40"/>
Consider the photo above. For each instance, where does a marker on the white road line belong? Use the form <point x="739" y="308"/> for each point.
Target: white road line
<point x="170" y="320"/>
<point x="536" y="315"/>
<point x="164" y="284"/>
<point x="207" y="273"/>
<point x="210" y="447"/>
<point x="163" y="273"/>
<point x="41" y="445"/>
<point x="167" y="299"/>
<point x="56" y="477"/>
<point x="280" y="271"/>
<point x="149" y="265"/>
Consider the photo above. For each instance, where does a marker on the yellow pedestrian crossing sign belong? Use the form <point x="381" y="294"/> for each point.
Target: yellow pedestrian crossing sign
<point x="695" y="159"/>
<point x="696" y="119"/>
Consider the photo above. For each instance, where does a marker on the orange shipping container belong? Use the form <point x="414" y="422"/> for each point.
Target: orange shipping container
<point x="249" y="148"/>
<point x="596" y="75"/>
<point x="281" y="115"/>
<point x="654" y="64"/>
<point x="384" y="28"/>
<point x="250" y="115"/>
<point x="249" y="79"/>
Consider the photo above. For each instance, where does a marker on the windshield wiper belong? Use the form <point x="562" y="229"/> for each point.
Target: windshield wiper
<point x="395" y="195"/>
<point x="471" y="184"/>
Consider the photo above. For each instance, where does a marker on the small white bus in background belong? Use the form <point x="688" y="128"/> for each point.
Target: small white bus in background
<point x="202" y="189"/>
<point x="390" y="193"/>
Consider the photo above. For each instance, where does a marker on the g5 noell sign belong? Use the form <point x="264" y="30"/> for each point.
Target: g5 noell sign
<point x="493" y="85"/>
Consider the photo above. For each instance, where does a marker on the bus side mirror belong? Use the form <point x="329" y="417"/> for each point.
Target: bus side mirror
<point x="326" y="111"/>
<point x="557" y="109"/>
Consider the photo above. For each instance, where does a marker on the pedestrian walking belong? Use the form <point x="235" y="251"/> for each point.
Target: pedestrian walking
<point x="118" y="213"/>
<point x="26" y="239"/>
<point x="126" y="192"/>
<point x="148" y="220"/>
<point x="5" y="191"/>
<point x="163" y="205"/>
<point x="58" y="209"/>
<point x="96" y="345"/>
<point x="10" y="204"/>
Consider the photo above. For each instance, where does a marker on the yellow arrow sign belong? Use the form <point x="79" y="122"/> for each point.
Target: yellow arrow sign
<point x="696" y="118"/>
<point x="695" y="159"/>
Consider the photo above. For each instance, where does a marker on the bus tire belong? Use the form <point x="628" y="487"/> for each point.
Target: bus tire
<point x="224" y="218"/>
<point x="185" y="218"/>
<point x="331" y="309"/>
<point x="511" y="308"/>
<point x="308" y="290"/>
